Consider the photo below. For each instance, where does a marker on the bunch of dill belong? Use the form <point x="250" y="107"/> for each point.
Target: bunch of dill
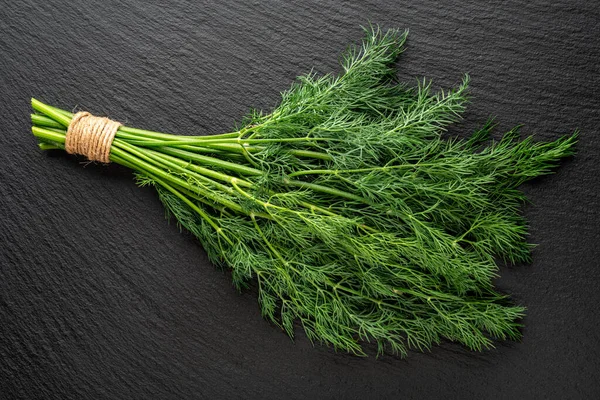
<point x="348" y="208"/>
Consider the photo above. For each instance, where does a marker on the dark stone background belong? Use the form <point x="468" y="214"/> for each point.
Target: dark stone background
<point x="101" y="298"/>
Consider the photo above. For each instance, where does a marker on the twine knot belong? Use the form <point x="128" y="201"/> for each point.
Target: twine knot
<point x="91" y="136"/>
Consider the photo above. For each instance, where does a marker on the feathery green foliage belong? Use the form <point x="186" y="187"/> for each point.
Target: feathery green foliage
<point x="347" y="206"/>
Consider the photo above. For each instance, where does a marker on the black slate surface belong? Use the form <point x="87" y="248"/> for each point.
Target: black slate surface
<point x="101" y="298"/>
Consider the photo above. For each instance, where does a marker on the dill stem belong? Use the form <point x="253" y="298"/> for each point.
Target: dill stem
<point x="172" y="138"/>
<point x="204" y="140"/>
<point x="51" y="112"/>
<point x="356" y="170"/>
<point x="212" y="161"/>
<point x="310" y="154"/>
<point x="42" y="120"/>
<point x="48" y="135"/>
<point x="326" y="189"/>
<point x="181" y="165"/>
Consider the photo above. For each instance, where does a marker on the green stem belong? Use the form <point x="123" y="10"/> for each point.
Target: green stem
<point x="326" y="189"/>
<point x="169" y="137"/>
<point x="51" y="112"/>
<point x="212" y="161"/>
<point x="48" y="135"/>
<point x="41" y="120"/>
<point x="311" y="154"/>
<point x="49" y="146"/>
<point x="179" y="164"/>
<point x="204" y="140"/>
<point x="357" y="170"/>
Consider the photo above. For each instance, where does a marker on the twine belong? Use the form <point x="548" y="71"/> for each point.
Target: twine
<point x="91" y="136"/>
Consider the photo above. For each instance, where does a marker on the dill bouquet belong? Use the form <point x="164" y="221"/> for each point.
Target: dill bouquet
<point x="345" y="204"/>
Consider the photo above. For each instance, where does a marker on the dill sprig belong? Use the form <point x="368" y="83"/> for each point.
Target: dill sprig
<point x="348" y="208"/>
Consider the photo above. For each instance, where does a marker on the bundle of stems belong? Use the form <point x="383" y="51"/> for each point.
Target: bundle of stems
<point x="348" y="208"/>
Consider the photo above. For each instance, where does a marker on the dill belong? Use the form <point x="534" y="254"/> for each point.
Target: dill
<point x="348" y="208"/>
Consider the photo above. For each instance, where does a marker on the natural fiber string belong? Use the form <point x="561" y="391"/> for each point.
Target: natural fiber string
<point x="91" y="136"/>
